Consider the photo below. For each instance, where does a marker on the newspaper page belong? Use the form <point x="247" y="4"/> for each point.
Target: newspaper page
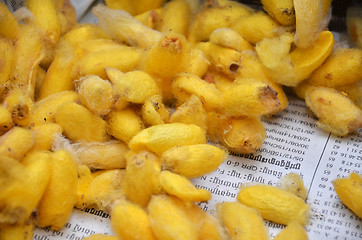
<point x="294" y="144"/>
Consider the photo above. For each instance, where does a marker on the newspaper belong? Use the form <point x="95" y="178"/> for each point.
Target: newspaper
<point x="294" y="143"/>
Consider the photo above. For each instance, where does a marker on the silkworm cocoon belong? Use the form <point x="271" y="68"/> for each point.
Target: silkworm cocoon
<point x="198" y="63"/>
<point x="226" y="37"/>
<point x="342" y="67"/>
<point x="101" y="155"/>
<point x="282" y="11"/>
<point x="124" y="124"/>
<point x="241" y="222"/>
<point x="175" y="17"/>
<point x="185" y="85"/>
<point x="160" y="138"/>
<point x="17" y="231"/>
<point x="275" y="204"/>
<point x="99" y="236"/>
<point x="150" y="18"/>
<point x="169" y="56"/>
<point x="179" y="186"/>
<point x="29" y="51"/>
<point x="154" y="112"/>
<point x="193" y="160"/>
<point x="11" y="146"/>
<point x="169" y="221"/>
<point x="46" y="17"/>
<point x="191" y="112"/>
<point x="293" y="183"/>
<point x="293" y="231"/>
<point x="250" y="97"/>
<point x="20" y="196"/>
<point x="6" y="121"/>
<point x="142" y="177"/>
<point x="134" y="86"/>
<point x="56" y="204"/>
<point x="96" y="94"/>
<point x="9" y="26"/>
<point x="336" y="113"/>
<point x="20" y="106"/>
<point x="255" y="27"/>
<point x="120" y="25"/>
<point x="223" y="59"/>
<point x="45" y="134"/>
<point x="79" y="123"/>
<point x="122" y="57"/>
<point x="44" y="110"/>
<point x="349" y="190"/>
<point x="238" y="134"/>
<point x="217" y="16"/>
<point x="7" y="52"/>
<point x="105" y="188"/>
<point x="131" y="222"/>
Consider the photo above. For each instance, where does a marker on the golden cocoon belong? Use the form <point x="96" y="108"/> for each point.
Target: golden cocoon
<point x="142" y="177"/>
<point x="282" y="11"/>
<point x="336" y="113"/>
<point x="131" y="222"/>
<point x="311" y="17"/>
<point x="45" y="109"/>
<point x="229" y="38"/>
<point x="124" y="124"/>
<point x="193" y="160"/>
<point x="6" y="121"/>
<point x="190" y="112"/>
<point x="342" y="67"/>
<point x="175" y="17"/>
<point x="349" y="190"/>
<point x="198" y="63"/>
<point x="353" y="92"/>
<point x="240" y="135"/>
<point x="255" y="27"/>
<point x="275" y="204"/>
<point x="121" y="57"/>
<point x="8" y="24"/>
<point x="169" y="221"/>
<point x="120" y="25"/>
<point x="99" y="236"/>
<point x="223" y="59"/>
<point x="169" y="56"/>
<point x="180" y="187"/>
<point x="21" y="195"/>
<point x="154" y="112"/>
<point x="29" y="51"/>
<point x="105" y="188"/>
<point x="293" y="183"/>
<point x="7" y="52"/>
<point x="56" y="204"/>
<point x="354" y="24"/>
<point x="214" y="17"/>
<point x="46" y="16"/>
<point x="20" y="106"/>
<point x="185" y="85"/>
<point x="96" y="94"/>
<point x="241" y="222"/>
<point x="134" y="86"/>
<point x="293" y="231"/>
<point x="83" y="32"/>
<point x="45" y="134"/>
<point x="160" y="138"/>
<point x="11" y="146"/>
<point x="101" y="155"/>
<point x="17" y="231"/>
<point x="79" y="123"/>
<point x="150" y="18"/>
<point x="247" y="97"/>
